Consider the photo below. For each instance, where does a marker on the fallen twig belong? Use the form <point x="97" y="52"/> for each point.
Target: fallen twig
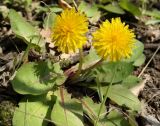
<point x="64" y="4"/>
<point x="151" y="46"/>
<point x="149" y="61"/>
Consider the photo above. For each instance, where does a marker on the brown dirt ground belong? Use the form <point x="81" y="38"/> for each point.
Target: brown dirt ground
<point x="150" y="95"/>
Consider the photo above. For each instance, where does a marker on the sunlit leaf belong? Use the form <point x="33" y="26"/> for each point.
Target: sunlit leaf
<point x="64" y="117"/>
<point x="37" y="78"/>
<point x="106" y="70"/>
<point x="137" y="52"/>
<point x="90" y="10"/>
<point x="91" y="58"/>
<point x="91" y="108"/>
<point x="131" y="81"/>
<point x="71" y="104"/>
<point x="154" y="13"/>
<point x="28" y="2"/>
<point x="123" y="97"/>
<point x="141" y="59"/>
<point x="128" y="6"/>
<point x="49" y="20"/>
<point x="32" y="110"/>
<point x="55" y="9"/>
<point x="24" y="30"/>
<point x="152" y="22"/>
<point x="4" y="11"/>
<point x="115" y="118"/>
<point x="114" y="8"/>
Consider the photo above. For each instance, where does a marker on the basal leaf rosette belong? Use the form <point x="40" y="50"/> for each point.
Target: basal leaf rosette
<point x="69" y="31"/>
<point x="114" y="40"/>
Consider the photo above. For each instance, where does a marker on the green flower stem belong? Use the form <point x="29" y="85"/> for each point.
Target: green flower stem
<point x="80" y="65"/>
<point x="105" y="96"/>
<point x="99" y="89"/>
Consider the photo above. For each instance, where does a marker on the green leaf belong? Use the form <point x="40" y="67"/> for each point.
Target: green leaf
<point x="50" y="8"/>
<point x="55" y="9"/>
<point x="113" y="8"/>
<point x="95" y="18"/>
<point x="154" y="13"/>
<point x="59" y="115"/>
<point x="49" y="20"/>
<point x="90" y="10"/>
<point x="152" y="22"/>
<point x="31" y="111"/>
<point x="28" y="3"/>
<point x="115" y="118"/>
<point x="140" y="60"/>
<point x="137" y="52"/>
<point x="88" y="61"/>
<point x="91" y="108"/>
<point x="106" y="70"/>
<point x="105" y="1"/>
<point x="24" y="30"/>
<point x="123" y="97"/>
<point x="132" y="118"/>
<point x="37" y="78"/>
<point x="91" y="58"/>
<point x="131" y="81"/>
<point x="4" y="11"/>
<point x="128" y="6"/>
<point x="70" y="104"/>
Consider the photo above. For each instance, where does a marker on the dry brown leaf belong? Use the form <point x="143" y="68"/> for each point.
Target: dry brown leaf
<point x="136" y="90"/>
<point x="46" y="34"/>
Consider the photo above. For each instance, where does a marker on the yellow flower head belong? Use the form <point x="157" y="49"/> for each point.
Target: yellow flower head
<point x="69" y="31"/>
<point x="114" y="40"/>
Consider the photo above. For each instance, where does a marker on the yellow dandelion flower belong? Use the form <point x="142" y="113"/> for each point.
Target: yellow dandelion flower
<point x="69" y="31"/>
<point x="114" y="40"/>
